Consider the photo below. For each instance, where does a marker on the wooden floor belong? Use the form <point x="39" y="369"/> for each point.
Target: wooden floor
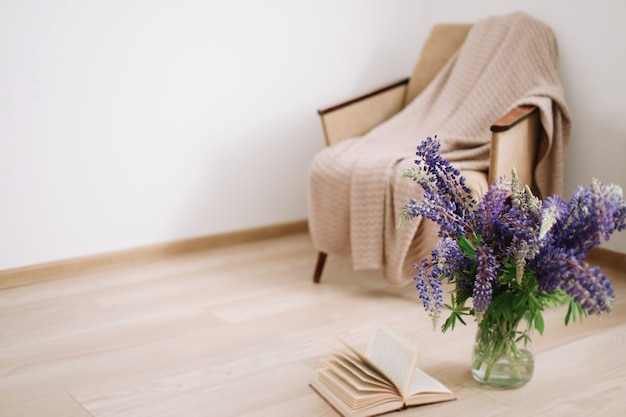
<point x="239" y="331"/>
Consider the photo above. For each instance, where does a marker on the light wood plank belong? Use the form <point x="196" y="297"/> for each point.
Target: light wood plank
<point x="240" y="331"/>
<point x="32" y="274"/>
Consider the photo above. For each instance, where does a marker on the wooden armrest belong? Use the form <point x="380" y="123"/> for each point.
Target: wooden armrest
<point x="514" y="141"/>
<point x="515" y="116"/>
<point x="358" y="116"/>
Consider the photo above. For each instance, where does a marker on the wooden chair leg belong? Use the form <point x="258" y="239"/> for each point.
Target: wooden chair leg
<point x="321" y="260"/>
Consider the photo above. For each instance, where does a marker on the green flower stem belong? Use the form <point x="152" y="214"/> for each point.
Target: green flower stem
<point x="496" y="339"/>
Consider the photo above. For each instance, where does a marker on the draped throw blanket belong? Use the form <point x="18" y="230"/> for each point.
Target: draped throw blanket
<point x="356" y="189"/>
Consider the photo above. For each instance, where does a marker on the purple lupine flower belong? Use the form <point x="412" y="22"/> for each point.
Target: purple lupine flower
<point x="493" y="204"/>
<point x="510" y="234"/>
<point x="429" y="287"/>
<point x="548" y="267"/>
<point x="486" y="278"/>
<point x="594" y="213"/>
<point x="561" y="269"/>
<point x="431" y="273"/>
<point x="447" y="200"/>
<point x="587" y="286"/>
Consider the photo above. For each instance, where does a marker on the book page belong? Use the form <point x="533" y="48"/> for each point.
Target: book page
<point x="425" y="390"/>
<point x="366" y="364"/>
<point x="362" y="372"/>
<point x="342" y="407"/>
<point x="394" y="355"/>
<point x="422" y="383"/>
<point x="351" y="378"/>
<point x="352" y="396"/>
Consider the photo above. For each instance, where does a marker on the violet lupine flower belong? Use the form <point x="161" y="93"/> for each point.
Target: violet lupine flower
<point x="429" y="287"/>
<point x="524" y="220"/>
<point x="493" y="204"/>
<point x="554" y="211"/>
<point x="591" y="214"/>
<point x="510" y="226"/>
<point x="587" y="286"/>
<point x="509" y="218"/>
<point x="442" y="263"/>
<point x="447" y="200"/>
<point x="590" y="288"/>
<point x="594" y="213"/>
<point x="486" y="278"/>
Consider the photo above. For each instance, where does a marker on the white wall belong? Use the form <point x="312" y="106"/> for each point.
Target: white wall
<point x="591" y="38"/>
<point x="125" y="123"/>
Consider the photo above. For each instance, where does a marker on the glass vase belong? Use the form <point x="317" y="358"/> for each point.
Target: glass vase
<point x="503" y="353"/>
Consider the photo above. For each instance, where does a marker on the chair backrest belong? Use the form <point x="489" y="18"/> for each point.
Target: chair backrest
<point x="358" y="116"/>
<point x="443" y="41"/>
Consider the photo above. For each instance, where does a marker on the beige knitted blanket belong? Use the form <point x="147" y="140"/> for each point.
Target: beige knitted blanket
<point x="356" y="191"/>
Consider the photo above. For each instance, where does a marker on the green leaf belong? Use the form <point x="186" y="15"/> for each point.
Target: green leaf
<point x="467" y="247"/>
<point x="574" y="311"/>
<point x="570" y="311"/>
<point x="507" y="309"/>
<point x="404" y="218"/>
<point x="409" y="173"/>
<point x="449" y="323"/>
<point x="539" y="324"/>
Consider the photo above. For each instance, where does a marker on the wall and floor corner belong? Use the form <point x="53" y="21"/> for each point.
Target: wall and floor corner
<point x="132" y="123"/>
<point x="128" y="124"/>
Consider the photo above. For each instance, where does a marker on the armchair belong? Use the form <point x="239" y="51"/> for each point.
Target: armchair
<point x="514" y="139"/>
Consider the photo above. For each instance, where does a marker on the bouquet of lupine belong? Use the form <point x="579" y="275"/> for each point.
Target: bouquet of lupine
<point x="513" y="254"/>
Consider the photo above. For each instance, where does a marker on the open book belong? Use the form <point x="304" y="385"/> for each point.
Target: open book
<point x="383" y="379"/>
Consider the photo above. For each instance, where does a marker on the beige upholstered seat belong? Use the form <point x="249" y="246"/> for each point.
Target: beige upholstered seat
<point x="514" y="137"/>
